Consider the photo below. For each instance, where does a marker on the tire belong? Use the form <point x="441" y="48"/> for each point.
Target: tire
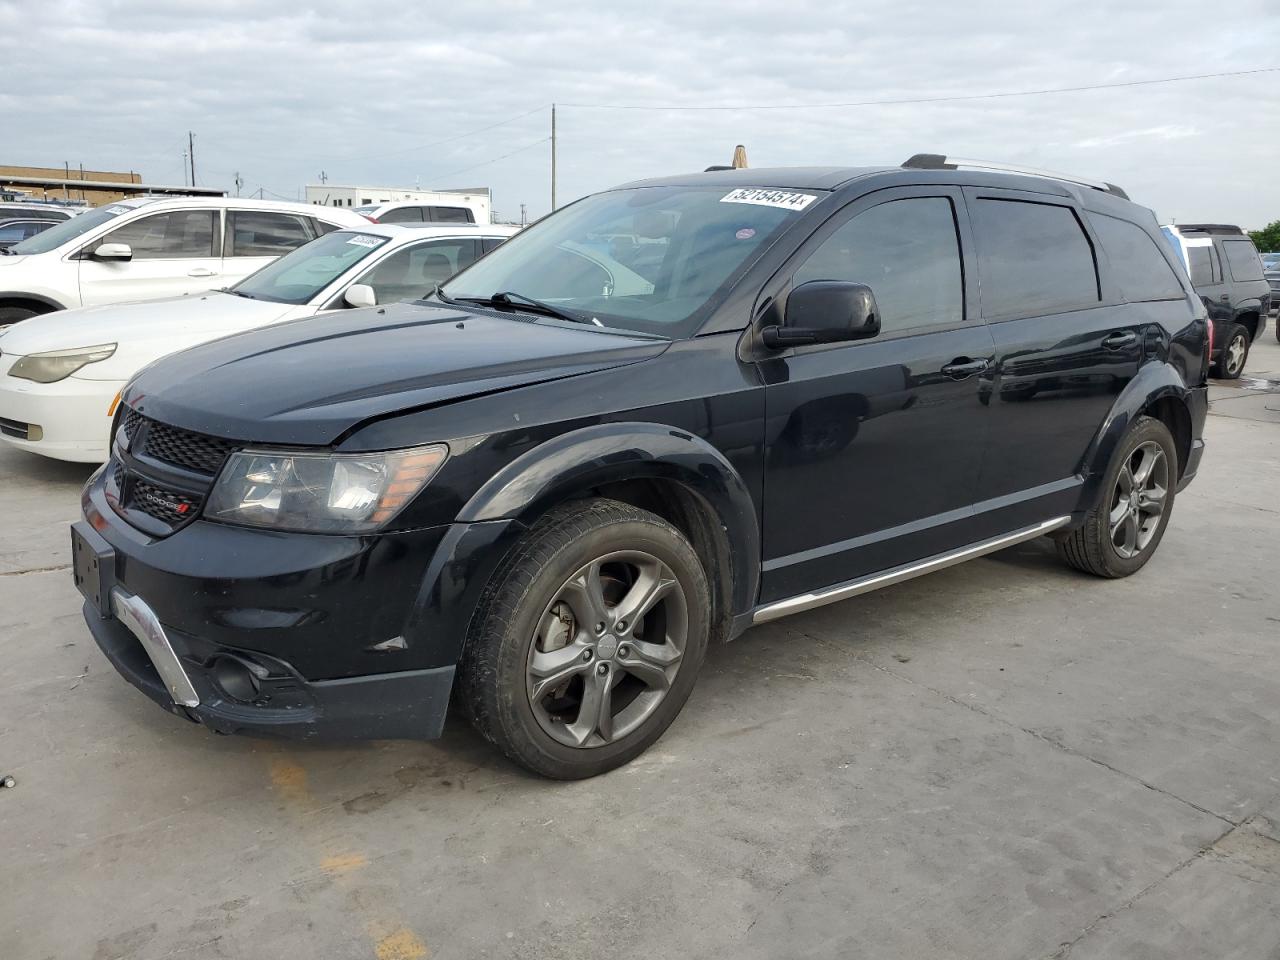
<point x="11" y="315"/>
<point x="1092" y="547"/>
<point x="1235" y="352"/>
<point x="532" y="650"/>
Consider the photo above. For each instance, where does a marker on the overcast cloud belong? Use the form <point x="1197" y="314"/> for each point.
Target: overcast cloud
<point x="366" y="92"/>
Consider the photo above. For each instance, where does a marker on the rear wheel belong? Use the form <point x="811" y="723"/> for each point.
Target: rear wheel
<point x="588" y="641"/>
<point x="1235" y="352"/>
<point x="1124" y="528"/>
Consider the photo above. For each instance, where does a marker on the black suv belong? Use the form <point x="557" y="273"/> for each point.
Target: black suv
<point x="1227" y="273"/>
<point x="549" y="487"/>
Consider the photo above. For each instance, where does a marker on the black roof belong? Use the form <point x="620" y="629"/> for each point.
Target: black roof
<point x="795" y="178"/>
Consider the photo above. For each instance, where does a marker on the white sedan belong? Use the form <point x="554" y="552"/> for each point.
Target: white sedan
<point x="61" y="374"/>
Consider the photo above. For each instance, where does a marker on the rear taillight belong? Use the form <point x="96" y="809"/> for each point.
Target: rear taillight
<point x="369" y="218"/>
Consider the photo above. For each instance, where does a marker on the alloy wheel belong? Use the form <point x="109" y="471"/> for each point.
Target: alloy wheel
<point x="1138" y="500"/>
<point x="607" y="649"/>
<point x="1235" y="355"/>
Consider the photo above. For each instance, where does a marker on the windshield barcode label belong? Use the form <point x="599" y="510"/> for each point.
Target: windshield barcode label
<point x="769" y="198"/>
<point x="360" y="240"/>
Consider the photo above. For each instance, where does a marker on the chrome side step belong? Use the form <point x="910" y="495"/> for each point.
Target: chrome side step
<point x="887" y="578"/>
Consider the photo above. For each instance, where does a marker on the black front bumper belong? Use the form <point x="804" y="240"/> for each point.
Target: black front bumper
<point x="409" y="705"/>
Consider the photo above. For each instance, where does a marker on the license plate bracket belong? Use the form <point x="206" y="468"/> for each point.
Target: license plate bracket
<point x="93" y="565"/>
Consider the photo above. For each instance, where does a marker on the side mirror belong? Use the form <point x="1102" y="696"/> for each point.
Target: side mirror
<point x="360" y="295"/>
<point x="825" y="311"/>
<point x="113" y="251"/>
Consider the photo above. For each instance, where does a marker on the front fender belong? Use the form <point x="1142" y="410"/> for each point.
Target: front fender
<point x="575" y="462"/>
<point x="1154" y="382"/>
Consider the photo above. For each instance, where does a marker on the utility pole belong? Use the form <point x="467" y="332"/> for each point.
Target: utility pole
<point x="191" y="152"/>
<point x="239" y="182"/>
<point x="523" y="219"/>
<point x="553" y="158"/>
<point x="324" y="177"/>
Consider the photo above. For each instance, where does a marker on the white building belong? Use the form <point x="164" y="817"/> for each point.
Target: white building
<point x="333" y="195"/>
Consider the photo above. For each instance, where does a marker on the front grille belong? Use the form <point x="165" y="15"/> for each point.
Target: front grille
<point x="195" y="451"/>
<point x="148" y="492"/>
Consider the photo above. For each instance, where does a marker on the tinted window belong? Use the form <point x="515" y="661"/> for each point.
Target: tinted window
<point x="321" y="228"/>
<point x="402" y="215"/>
<point x="906" y="251"/>
<point x="254" y="233"/>
<point x="1242" y="260"/>
<point x="1140" y="267"/>
<point x="452" y="215"/>
<point x="19" y="230"/>
<point x="1033" y="259"/>
<point x="413" y="272"/>
<point x="1201" y="265"/>
<point x="178" y="234"/>
<point x="299" y="276"/>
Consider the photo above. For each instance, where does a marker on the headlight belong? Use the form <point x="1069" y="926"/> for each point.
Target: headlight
<point x="59" y="364"/>
<point x="321" y="493"/>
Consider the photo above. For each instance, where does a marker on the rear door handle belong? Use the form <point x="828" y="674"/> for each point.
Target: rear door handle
<point x="202" y="272"/>
<point x="1117" y="340"/>
<point x="962" y="367"/>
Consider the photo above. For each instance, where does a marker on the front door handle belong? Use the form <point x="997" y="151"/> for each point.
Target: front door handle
<point x="1116" y="341"/>
<point x="202" y="272"/>
<point x="962" y="368"/>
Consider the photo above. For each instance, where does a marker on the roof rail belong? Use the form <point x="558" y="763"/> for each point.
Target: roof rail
<point x="938" y="161"/>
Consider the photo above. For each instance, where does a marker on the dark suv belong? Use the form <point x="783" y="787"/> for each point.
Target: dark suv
<point x="546" y="490"/>
<point x="1227" y="273"/>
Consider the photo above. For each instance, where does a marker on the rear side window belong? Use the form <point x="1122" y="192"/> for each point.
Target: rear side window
<point x="1140" y="267"/>
<point x="907" y="252"/>
<point x="1033" y="259"/>
<point x="253" y="233"/>
<point x="176" y="235"/>
<point x="452" y="215"/>
<point x="402" y="215"/>
<point x="1242" y="260"/>
<point x="1201" y="266"/>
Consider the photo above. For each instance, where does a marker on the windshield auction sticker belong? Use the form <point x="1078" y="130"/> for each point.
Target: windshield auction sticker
<point x="769" y="198"/>
<point x="116" y="211"/>
<point x="361" y="240"/>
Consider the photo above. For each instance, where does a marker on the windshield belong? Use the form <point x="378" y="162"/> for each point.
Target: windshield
<point x="301" y="274"/>
<point x="77" y="226"/>
<point x="653" y="259"/>
<point x="1270" y="260"/>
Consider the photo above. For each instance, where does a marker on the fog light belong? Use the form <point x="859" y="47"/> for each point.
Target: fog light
<point x="236" y="679"/>
<point x="35" y="432"/>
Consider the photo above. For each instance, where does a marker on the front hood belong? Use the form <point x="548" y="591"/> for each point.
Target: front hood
<point x="309" y="381"/>
<point x="12" y="259"/>
<point x="180" y="321"/>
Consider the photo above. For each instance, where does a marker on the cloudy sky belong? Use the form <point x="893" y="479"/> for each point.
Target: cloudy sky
<point x="402" y="93"/>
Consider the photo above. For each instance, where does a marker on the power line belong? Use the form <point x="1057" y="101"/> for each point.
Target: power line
<point x="910" y="100"/>
<point x="437" y="143"/>
<point x="485" y="163"/>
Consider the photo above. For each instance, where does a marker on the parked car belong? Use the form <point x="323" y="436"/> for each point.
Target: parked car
<point x="413" y="211"/>
<point x="61" y="374"/>
<point x="1227" y="273"/>
<point x="545" y="498"/>
<point x="39" y="210"/>
<point x="148" y="247"/>
<point x="16" y="230"/>
<point x="1271" y="272"/>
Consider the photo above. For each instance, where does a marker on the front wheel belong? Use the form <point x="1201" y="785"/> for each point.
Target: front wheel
<point x="1125" y="526"/>
<point x="11" y="315"/>
<point x="588" y="641"/>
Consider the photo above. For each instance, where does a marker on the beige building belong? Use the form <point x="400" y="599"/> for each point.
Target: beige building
<point x="94" y="187"/>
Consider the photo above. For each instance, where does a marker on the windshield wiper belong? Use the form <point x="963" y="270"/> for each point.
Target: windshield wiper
<point x="509" y="298"/>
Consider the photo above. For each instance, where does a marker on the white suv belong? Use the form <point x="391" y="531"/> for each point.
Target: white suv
<point x="415" y="211"/>
<point x="144" y="248"/>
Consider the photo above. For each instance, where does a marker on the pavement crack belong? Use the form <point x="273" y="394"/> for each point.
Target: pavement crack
<point x="1045" y="738"/>
<point x="23" y="573"/>
<point x="1065" y="949"/>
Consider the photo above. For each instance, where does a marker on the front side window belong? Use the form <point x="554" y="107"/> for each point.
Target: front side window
<point x="173" y="235"/>
<point x="907" y="252"/>
<point x="413" y="272"/>
<point x="298" y="277"/>
<point x="1033" y="259"/>
<point x="1141" y="268"/>
<point x="1242" y="260"/>
<point x="689" y="245"/>
<point x="256" y="233"/>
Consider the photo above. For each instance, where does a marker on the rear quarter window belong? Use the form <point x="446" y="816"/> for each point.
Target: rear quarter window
<point x="1138" y="264"/>
<point x="1033" y="259"/>
<point x="1242" y="259"/>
